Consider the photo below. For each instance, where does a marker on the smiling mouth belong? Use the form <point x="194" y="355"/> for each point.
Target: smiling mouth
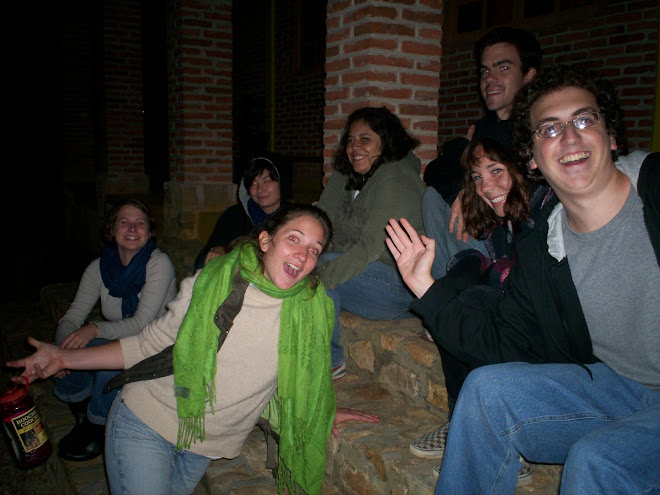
<point x="131" y="238"/>
<point x="573" y="158"/>
<point x="291" y="269"/>
<point x="359" y="157"/>
<point x="498" y="199"/>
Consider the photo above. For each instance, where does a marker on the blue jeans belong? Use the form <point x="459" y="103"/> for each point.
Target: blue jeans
<point x="436" y="213"/>
<point x="79" y="385"/>
<point x="378" y="293"/>
<point x="605" y="430"/>
<point x="141" y="462"/>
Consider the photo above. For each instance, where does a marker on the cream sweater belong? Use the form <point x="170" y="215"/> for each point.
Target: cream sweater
<point x="246" y="376"/>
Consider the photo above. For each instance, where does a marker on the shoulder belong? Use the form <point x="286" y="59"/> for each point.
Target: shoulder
<point x="160" y="260"/>
<point x="408" y="166"/>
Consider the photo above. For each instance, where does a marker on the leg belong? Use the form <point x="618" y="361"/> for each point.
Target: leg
<point x="436" y="214"/>
<point x="141" y="462"/>
<point x="594" y="466"/>
<point x="538" y="411"/>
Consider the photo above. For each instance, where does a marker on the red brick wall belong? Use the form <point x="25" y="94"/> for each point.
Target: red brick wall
<point x="200" y="95"/>
<point x="383" y="54"/>
<point x="124" y="126"/>
<point x="619" y="38"/>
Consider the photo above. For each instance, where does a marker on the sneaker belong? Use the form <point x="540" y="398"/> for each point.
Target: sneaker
<point x="339" y="371"/>
<point x="526" y="473"/>
<point x="432" y="445"/>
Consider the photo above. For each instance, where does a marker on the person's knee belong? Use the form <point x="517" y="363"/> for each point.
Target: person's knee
<point x="493" y="383"/>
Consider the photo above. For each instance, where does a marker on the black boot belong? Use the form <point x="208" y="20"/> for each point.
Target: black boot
<point x="86" y="440"/>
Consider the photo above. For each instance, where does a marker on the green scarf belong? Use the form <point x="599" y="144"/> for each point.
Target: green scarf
<point x="305" y="398"/>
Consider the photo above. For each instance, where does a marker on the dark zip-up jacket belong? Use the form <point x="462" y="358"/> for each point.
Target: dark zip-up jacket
<point x="538" y="317"/>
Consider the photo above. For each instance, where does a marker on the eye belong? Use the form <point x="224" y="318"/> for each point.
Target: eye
<point x="497" y="171"/>
<point x="549" y="130"/>
<point x="267" y="181"/>
<point x="504" y="67"/>
<point x="584" y="120"/>
<point x="350" y="140"/>
<point x="483" y="72"/>
<point x="315" y="251"/>
<point x="365" y="139"/>
<point x="293" y="238"/>
<point x="476" y="177"/>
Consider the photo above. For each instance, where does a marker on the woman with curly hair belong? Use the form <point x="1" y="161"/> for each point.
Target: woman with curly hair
<point x="377" y="177"/>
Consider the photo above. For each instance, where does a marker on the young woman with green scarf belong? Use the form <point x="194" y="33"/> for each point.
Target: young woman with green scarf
<point x="251" y="330"/>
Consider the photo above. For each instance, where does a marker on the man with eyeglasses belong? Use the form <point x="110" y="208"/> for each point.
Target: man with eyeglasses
<point x="577" y="326"/>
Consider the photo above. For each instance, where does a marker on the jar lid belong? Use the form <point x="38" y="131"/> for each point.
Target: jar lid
<point x="15" y="393"/>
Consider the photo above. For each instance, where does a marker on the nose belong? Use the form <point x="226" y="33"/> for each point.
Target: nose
<point x="570" y="133"/>
<point x="132" y="226"/>
<point x="301" y="253"/>
<point x="486" y="183"/>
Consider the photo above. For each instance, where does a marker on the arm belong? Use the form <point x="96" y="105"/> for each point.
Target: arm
<point x="333" y="195"/>
<point x="482" y="325"/>
<point x="394" y="195"/>
<point x="158" y="289"/>
<point x="89" y="291"/>
<point x="160" y="333"/>
<point x="50" y="359"/>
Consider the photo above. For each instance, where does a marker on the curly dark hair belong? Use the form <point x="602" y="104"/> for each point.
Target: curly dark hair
<point x="395" y="143"/>
<point x="278" y="220"/>
<point x="478" y="216"/>
<point x="111" y="219"/>
<point x="554" y="79"/>
<point x="527" y="46"/>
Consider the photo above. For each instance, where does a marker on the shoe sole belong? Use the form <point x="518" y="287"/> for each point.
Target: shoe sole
<point x="525" y="480"/>
<point x="427" y="454"/>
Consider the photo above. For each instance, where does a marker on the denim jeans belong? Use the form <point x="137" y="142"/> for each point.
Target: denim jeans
<point x="141" y="462"/>
<point x="79" y="385"/>
<point x="605" y="430"/>
<point x="378" y="293"/>
<point x="436" y="213"/>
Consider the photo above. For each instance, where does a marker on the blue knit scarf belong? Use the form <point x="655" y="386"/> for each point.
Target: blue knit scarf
<point x="126" y="281"/>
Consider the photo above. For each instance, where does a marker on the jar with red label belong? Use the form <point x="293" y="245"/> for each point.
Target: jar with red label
<point x="23" y="426"/>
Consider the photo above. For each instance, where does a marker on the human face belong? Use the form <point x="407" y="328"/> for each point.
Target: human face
<point x="492" y="183"/>
<point x="292" y="253"/>
<point x="577" y="162"/>
<point x="265" y="192"/>
<point x="131" y="232"/>
<point x="363" y="147"/>
<point x="502" y="77"/>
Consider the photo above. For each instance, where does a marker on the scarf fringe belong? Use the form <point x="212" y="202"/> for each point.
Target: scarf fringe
<point x="190" y="430"/>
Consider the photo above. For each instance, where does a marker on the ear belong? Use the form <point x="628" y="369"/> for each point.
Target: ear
<point x="613" y="145"/>
<point x="532" y="164"/>
<point x="531" y="74"/>
<point x="264" y="241"/>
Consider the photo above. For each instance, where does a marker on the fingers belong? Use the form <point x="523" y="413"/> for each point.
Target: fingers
<point x="470" y="133"/>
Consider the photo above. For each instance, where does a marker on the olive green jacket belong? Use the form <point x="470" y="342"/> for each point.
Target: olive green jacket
<point x="394" y="191"/>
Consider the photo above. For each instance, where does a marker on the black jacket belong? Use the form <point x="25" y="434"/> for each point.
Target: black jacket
<point x="538" y="317"/>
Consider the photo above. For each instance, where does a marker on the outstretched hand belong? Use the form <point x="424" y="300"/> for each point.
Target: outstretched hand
<point x="413" y="255"/>
<point x="44" y="363"/>
<point x="346" y="414"/>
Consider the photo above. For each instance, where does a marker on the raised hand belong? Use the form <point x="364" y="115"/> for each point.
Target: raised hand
<point x="413" y="255"/>
<point x="44" y="363"/>
<point x="346" y="414"/>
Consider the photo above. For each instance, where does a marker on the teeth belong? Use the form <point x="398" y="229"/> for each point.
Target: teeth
<point x="293" y="267"/>
<point x="499" y="199"/>
<point x="131" y="238"/>
<point x="572" y="157"/>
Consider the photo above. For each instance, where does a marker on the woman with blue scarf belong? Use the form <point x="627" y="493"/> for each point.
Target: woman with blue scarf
<point x="134" y="281"/>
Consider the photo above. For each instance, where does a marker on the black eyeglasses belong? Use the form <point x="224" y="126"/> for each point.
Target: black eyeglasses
<point x="554" y="129"/>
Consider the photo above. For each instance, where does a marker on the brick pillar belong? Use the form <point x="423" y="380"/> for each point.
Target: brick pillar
<point x="383" y="54"/>
<point x="200" y="112"/>
<point x="124" y="125"/>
